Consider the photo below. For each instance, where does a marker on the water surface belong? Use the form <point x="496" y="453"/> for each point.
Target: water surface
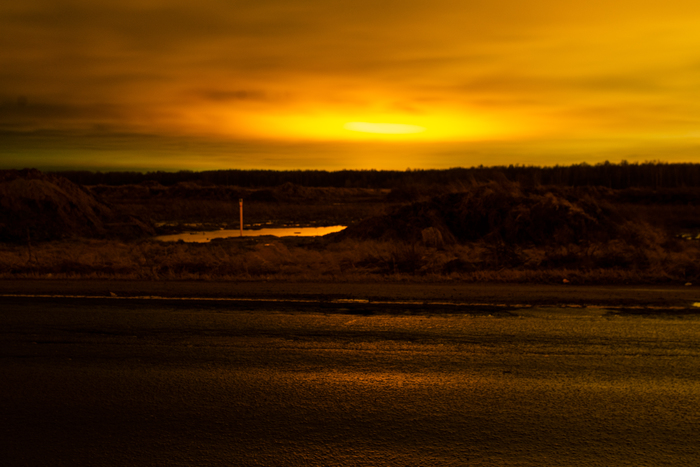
<point x="207" y="236"/>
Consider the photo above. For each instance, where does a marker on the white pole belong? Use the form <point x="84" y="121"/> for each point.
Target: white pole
<point x="240" y="202"/>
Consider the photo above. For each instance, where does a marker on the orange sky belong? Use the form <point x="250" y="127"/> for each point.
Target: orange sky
<point x="287" y="84"/>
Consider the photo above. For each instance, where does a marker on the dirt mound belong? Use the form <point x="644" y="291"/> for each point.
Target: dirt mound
<point x="36" y="206"/>
<point x="502" y="212"/>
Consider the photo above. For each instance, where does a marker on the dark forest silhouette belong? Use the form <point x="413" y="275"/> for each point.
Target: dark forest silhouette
<point x="615" y="176"/>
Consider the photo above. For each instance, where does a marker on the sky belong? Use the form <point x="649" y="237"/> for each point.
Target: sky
<point x="346" y="84"/>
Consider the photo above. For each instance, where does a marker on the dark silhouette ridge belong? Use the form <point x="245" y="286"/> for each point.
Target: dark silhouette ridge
<point x="36" y="207"/>
<point x="506" y="212"/>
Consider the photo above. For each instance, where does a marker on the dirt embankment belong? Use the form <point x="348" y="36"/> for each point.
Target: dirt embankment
<point x="35" y="207"/>
<point x="508" y="213"/>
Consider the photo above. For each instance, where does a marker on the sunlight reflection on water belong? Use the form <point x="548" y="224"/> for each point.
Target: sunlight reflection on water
<point x="206" y="236"/>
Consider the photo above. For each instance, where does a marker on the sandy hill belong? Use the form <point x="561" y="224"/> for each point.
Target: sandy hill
<point x="36" y="206"/>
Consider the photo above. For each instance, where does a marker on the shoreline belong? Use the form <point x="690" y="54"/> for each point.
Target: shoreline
<point x="451" y="293"/>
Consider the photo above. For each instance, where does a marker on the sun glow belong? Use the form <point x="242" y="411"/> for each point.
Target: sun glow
<point x="334" y="126"/>
<point x="384" y="128"/>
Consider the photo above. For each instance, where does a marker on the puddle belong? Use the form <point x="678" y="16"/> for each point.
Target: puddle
<point x="206" y="236"/>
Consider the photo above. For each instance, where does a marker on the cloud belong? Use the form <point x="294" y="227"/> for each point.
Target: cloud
<point x="235" y="95"/>
<point x="28" y="116"/>
<point x="177" y="67"/>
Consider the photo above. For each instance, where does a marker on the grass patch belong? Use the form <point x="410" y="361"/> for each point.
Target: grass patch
<point x="352" y="260"/>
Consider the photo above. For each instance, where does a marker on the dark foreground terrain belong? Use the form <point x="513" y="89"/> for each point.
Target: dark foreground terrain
<point x="457" y="227"/>
<point x="350" y="375"/>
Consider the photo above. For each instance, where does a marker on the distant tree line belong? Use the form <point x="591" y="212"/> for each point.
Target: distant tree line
<point x="616" y="176"/>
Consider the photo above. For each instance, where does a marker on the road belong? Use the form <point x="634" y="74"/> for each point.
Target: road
<point x="87" y="381"/>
